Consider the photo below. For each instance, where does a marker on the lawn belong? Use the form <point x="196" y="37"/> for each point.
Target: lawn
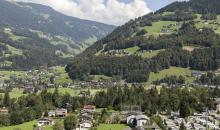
<point x="61" y="75"/>
<point x="148" y="54"/>
<point x="112" y="127"/>
<point x="171" y="71"/>
<point x="155" y="29"/>
<point x="16" y="93"/>
<point x="25" y="126"/>
<point x="5" y="75"/>
<point x="70" y="91"/>
<point x="132" y="50"/>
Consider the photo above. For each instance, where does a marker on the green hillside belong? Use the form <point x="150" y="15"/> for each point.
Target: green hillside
<point x="183" y="35"/>
<point x="39" y="36"/>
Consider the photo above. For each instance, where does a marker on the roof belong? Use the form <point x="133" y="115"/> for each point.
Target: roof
<point x="89" y="107"/>
<point x="62" y="109"/>
<point x="139" y="117"/>
<point x="45" y="119"/>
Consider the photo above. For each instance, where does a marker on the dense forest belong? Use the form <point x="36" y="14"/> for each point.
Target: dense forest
<point x="209" y="79"/>
<point x="128" y="67"/>
<point x="198" y="6"/>
<point x="186" y="100"/>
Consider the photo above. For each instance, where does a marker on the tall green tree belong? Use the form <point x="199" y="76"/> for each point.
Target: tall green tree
<point x="6" y="100"/>
<point x="58" y="126"/>
<point x="184" y="109"/>
<point x="70" y="122"/>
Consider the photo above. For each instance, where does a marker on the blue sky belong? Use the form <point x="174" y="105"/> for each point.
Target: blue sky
<point x="115" y="12"/>
<point x="155" y="4"/>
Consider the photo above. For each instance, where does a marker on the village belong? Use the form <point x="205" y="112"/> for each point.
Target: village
<point x="86" y="119"/>
<point x="131" y="117"/>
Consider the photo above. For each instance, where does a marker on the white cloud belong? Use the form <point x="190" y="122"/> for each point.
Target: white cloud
<point x="110" y="11"/>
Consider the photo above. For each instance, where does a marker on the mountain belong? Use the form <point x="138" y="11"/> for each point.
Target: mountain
<point x="28" y="30"/>
<point x="181" y="35"/>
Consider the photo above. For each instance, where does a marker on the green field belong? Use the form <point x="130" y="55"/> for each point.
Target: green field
<point x="208" y="23"/>
<point x="14" y="51"/>
<point x="169" y="72"/>
<point x="156" y="27"/>
<point x="5" y="75"/>
<point x="147" y="54"/>
<point x="132" y="50"/>
<point x="12" y="36"/>
<point x="61" y="77"/>
<point x="112" y="127"/>
<point x="25" y="126"/>
<point x="15" y="93"/>
<point x="70" y="91"/>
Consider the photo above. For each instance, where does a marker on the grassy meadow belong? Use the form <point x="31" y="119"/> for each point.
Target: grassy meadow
<point x="186" y="72"/>
<point x="112" y="127"/>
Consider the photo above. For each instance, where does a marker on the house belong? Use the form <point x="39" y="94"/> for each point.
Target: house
<point x="2" y="85"/>
<point x="198" y="126"/>
<point x="85" y="125"/>
<point x="52" y="113"/>
<point x="141" y="120"/>
<point x="197" y="73"/>
<point x="90" y="108"/>
<point x="29" y="90"/>
<point x="61" y="112"/>
<point x="45" y="121"/>
<point x="3" y="111"/>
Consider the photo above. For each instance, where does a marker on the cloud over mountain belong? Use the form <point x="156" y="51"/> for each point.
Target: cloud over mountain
<point x="107" y="11"/>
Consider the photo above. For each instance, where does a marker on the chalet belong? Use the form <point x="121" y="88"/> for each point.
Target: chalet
<point x="52" y="113"/>
<point x="45" y="121"/>
<point x="85" y="125"/>
<point x="217" y="103"/>
<point x="198" y="126"/>
<point x="141" y="120"/>
<point x="90" y="108"/>
<point x="3" y="111"/>
<point x="29" y="90"/>
<point x="2" y="84"/>
<point x="61" y="112"/>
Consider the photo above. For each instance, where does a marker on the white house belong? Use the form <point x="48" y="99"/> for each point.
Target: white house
<point x="141" y="120"/>
<point x="44" y="122"/>
<point x="84" y="125"/>
<point x="52" y="113"/>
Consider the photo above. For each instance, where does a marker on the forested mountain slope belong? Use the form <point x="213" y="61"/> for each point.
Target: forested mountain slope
<point x="183" y="34"/>
<point x="37" y="35"/>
